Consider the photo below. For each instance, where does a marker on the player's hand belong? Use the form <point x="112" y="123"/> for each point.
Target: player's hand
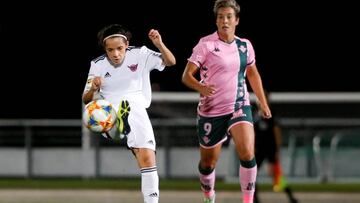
<point x="96" y="83"/>
<point x="207" y="90"/>
<point x="265" y="110"/>
<point x="155" y="37"/>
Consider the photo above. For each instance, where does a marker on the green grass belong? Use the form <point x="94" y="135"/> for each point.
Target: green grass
<point x="165" y="184"/>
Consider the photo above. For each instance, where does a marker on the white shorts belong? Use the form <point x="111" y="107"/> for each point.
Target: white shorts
<point x="141" y="134"/>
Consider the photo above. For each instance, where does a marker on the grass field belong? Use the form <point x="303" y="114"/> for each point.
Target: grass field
<point x="175" y="191"/>
<point x="168" y="196"/>
<point x="165" y="184"/>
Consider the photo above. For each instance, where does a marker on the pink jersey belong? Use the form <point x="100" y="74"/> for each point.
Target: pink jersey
<point x="224" y="66"/>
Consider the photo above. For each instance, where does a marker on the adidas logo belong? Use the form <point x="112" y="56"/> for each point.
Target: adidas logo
<point x="154" y="194"/>
<point x="107" y="75"/>
<point x="216" y="49"/>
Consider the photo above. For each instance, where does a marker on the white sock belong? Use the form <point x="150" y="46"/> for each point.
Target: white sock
<point x="150" y="184"/>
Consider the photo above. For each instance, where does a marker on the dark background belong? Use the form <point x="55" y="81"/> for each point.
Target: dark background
<point x="46" y="49"/>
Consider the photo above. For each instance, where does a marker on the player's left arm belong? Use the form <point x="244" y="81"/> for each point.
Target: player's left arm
<point x="255" y="81"/>
<point x="167" y="56"/>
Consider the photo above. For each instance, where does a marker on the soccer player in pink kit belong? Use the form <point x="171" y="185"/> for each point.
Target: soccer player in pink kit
<point x="224" y="61"/>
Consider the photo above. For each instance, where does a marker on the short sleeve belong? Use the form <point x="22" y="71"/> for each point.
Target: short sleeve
<point x="198" y="55"/>
<point x="153" y="59"/>
<point x="251" y="54"/>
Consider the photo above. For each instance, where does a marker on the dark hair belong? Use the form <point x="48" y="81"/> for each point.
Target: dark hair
<point x="226" y="4"/>
<point x="111" y="30"/>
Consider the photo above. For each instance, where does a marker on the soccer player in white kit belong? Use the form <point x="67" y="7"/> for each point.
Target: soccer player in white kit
<point x="224" y="62"/>
<point x="122" y="77"/>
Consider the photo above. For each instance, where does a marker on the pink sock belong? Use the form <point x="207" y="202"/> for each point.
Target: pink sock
<point x="208" y="184"/>
<point x="247" y="182"/>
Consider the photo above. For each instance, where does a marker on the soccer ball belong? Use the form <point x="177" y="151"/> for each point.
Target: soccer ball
<point x="99" y="116"/>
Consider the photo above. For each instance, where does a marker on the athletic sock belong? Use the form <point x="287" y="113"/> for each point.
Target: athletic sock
<point x="150" y="184"/>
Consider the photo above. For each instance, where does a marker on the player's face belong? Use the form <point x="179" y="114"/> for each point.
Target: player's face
<point x="115" y="48"/>
<point x="226" y="21"/>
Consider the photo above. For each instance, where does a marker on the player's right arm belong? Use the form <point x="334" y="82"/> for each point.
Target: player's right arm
<point x="92" y="87"/>
<point x="189" y="80"/>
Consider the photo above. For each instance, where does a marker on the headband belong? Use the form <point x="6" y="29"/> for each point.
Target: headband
<point x="115" y="35"/>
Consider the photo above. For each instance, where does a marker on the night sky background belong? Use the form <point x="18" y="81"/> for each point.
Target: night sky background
<point x="46" y="49"/>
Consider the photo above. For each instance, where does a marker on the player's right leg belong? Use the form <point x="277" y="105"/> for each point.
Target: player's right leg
<point x="113" y="133"/>
<point x="122" y="126"/>
<point x="211" y="134"/>
<point x="122" y="117"/>
<point x="209" y="157"/>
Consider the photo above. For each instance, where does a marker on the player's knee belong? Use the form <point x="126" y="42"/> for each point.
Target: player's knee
<point x="246" y="156"/>
<point x="205" y="169"/>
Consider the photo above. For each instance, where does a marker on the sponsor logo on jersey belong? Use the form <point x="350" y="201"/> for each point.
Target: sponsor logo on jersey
<point x="238" y="113"/>
<point x="242" y="49"/>
<point x="133" y="67"/>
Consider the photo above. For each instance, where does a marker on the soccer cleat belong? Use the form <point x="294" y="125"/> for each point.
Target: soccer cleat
<point x="122" y="118"/>
<point x="209" y="199"/>
<point x="280" y="185"/>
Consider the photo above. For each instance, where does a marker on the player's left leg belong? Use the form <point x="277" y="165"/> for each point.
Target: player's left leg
<point x="243" y="136"/>
<point x="141" y="140"/>
<point x="242" y="132"/>
<point x="149" y="175"/>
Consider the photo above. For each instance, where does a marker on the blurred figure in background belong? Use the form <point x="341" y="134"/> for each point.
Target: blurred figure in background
<point x="267" y="147"/>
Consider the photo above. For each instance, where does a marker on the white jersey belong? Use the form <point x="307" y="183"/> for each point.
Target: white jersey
<point x="130" y="80"/>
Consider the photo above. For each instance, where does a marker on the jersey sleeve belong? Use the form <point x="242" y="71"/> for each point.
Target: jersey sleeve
<point x="198" y="55"/>
<point x="93" y="72"/>
<point x="153" y="59"/>
<point x="251" y="54"/>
